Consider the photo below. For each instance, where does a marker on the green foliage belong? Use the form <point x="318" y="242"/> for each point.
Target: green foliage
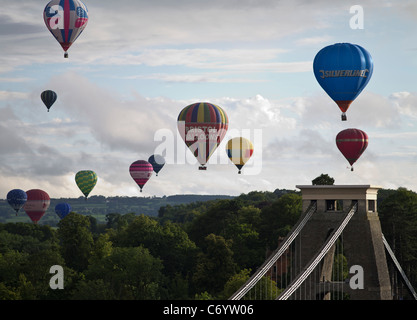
<point x="201" y="250"/>
<point x="323" y="179"/>
<point x="398" y="214"/>
<point x="279" y="217"/>
<point x="76" y="240"/>
<point x="126" y="273"/>
<point x="215" y="265"/>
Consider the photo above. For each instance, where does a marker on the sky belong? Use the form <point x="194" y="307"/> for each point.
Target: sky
<point x="138" y="63"/>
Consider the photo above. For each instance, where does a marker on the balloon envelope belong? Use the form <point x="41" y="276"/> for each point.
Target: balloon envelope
<point x="65" y="19"/>
<point x="86" y="181"/>
<point x="239" y="150"/>
<point x="37" y="203"/>
<point x="343" y="70"/>
<point x="62" y="209"/>
<point x="157" y="162"/>
<point x="16" y="199"/>
<point x="352" y="143"/>
<point x="202" y="126"/>
<point x="48" y="97"/>
<point x="141" y="171"/>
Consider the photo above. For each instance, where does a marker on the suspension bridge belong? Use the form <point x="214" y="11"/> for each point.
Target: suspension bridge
<point x="339" y="231"/>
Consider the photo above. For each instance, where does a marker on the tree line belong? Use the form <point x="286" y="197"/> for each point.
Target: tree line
<point x="200" y="250"/>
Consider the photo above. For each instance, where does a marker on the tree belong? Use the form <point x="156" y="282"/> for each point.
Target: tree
<point x="279" y="218"/>
<point x="398" y="215"/>
<point x="265" y="289"/>
<point x="127" y="273"/>
<point x="215" y="265"/>
<point x="76" y="240"/>
<point x="323" y="179"/>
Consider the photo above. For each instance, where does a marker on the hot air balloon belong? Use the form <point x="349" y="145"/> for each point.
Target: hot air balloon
<point x="86" y="181"/>
<point x="239" y="150"/>
<point x="202" y="126"/>
<point x="66" y="19"/>
<point x="16" y="199"/>
<point x="343" y="70"/>
<point x="352" y="143"/>
<point x="48" y="97"/>
<point x="62" y="209"/>
<point x="141" y="171"/>
<point x="157" y="162"/>
<point x="37" y="203"/>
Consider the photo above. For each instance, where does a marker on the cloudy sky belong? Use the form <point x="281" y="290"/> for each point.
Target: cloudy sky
<point x="139" y="62"/>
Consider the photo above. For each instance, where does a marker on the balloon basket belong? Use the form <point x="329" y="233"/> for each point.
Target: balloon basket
<point x="202" y="168"/>
<point x="344" y="118"/>
<point x="66" y="55"/>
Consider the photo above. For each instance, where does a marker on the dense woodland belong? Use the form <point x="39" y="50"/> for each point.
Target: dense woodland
<point x="199" y="250"/>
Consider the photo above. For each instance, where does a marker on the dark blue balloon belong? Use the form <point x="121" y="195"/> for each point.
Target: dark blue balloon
<point x="343" y="70"/>
<point x="62" y="209"/>
<point x="16" y="199"/>
<point x="157" y="162"/>
<point x="48" y="97"/>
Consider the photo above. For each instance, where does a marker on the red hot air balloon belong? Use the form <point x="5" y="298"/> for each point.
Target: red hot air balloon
<point x="352" y="143"/>
<point x="141" y="171"/>
<point x="37" y="203"/>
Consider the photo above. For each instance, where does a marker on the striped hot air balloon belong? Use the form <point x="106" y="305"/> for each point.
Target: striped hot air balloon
<point x="141" y="171"/>
<point x="48" y="97"/>
<point x="352" y="143"/>
<point x="37" y="203"/>
<point x="65" y="19"/>
<point x="202" y="126"/>
<point x="239" y="150"/>
<point x="86" y="181"/>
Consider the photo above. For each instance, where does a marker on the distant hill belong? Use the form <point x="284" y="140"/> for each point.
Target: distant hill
<point x="99" y="206"/>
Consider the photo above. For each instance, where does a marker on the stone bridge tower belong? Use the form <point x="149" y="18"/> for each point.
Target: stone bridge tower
<point x="362" y="237"/>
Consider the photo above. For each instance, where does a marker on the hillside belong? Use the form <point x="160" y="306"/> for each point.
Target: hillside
<point x="99" y="206"/>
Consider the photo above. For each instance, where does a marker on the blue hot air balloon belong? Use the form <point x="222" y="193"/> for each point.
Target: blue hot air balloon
<point x="343" y="70"/>
<point x="157" y="162"/>
<point x="48" y="97"/>
<point x="62" y="209"/>
<point x="17" y="199"/>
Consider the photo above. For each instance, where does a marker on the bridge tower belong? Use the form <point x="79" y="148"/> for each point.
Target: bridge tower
<point x="362" y="237"/>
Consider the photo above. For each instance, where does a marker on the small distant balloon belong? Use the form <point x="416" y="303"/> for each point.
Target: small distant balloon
<point x="62" y="209"/>
<point x="239" y="150"/>
<point x="65" y="19"/>
<point x="86" y="181"/>
<point x="352" y="143"/>
<point x="343" y="70"/>
<point x="141" y="172"/>
<point x="37" y="203"/>
<point x="157" y="161"/>
<point x="48" y="97"/>
<point x="17" y="199"/>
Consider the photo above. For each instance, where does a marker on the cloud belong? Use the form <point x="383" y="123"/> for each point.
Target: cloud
<point x="12" y="95"/>
<point x="115" y="123"/>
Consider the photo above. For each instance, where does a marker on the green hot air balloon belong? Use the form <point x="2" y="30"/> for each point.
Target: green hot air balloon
<point x="86" y="181"/>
